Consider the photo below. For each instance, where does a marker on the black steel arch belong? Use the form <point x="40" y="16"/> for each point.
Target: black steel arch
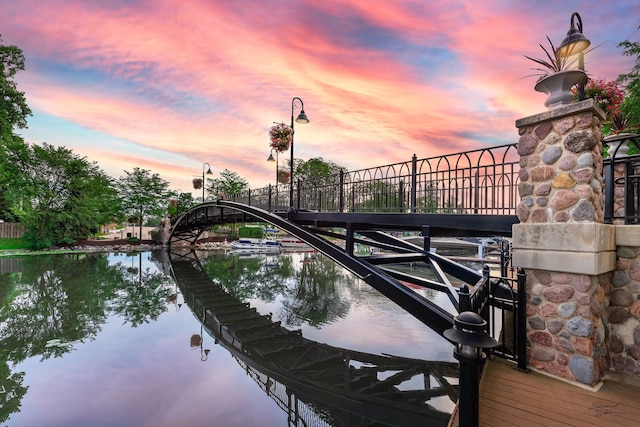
<point x="424" y="310"/>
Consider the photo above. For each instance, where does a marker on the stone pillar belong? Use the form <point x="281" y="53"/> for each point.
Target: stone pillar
<point x="623" y="313"/>
<point x="561" y="242"/>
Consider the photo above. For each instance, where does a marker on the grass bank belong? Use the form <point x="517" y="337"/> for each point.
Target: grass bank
<point x="13" y="244"/>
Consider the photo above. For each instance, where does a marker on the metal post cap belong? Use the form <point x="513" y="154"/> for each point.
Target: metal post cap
<point x="469" y="329"/>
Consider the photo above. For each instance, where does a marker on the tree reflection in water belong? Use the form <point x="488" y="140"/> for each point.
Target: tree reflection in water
<point x="312" y="293"/>
<point x="61" y="299"/>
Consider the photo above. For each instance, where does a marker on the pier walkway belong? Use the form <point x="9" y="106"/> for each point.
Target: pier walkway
<point x="512" y="398"/>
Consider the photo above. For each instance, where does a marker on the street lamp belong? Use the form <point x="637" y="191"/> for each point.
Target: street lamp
<point x="575" y="43"/>
<point x="271" y="159"/>
<point x="302" y="118"/>
<point x="203" y="181"/>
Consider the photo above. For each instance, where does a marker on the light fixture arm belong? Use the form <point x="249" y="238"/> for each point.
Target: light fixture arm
<point x="576" y="15"/>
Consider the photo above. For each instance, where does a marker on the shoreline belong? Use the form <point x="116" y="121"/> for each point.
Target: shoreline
<point x="120" y="245"/>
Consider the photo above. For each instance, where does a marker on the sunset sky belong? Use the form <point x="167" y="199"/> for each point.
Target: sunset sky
<point x="167" y="85"/>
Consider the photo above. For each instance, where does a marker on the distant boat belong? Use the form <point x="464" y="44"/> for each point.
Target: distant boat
<point x="289" y="243"/>
<point x="255" y="244"/>
<point x="293" y="243"/>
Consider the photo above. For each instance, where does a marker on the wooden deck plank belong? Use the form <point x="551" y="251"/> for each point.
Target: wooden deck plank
<point x="573" y="396"/>
<point x="560" y="399"/>
<point x="512" y="398"/>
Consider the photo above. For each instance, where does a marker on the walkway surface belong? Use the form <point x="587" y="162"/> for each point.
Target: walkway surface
<point x="512" y="398"/>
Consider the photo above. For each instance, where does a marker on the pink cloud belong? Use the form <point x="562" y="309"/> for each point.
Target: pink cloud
<point x="204" y="81"/>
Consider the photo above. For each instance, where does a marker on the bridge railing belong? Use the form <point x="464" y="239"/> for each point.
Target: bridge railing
<point x="483" y="181"/>
<point x="477" y="181"/>
<point x="622" y="181"/>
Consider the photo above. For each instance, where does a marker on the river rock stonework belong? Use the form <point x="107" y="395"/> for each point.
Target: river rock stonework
<point x="565" y="326"/>
<point x="561" y="182"/>
<point x="623" y="312"/>
<point x="561" y="161"/>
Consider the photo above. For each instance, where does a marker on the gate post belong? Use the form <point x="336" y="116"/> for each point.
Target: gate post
<point x="561" y="241"/>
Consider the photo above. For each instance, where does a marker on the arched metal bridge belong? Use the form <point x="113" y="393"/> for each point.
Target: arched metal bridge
<point x="373" y="230"/>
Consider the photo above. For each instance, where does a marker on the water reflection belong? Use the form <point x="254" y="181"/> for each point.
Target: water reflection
<point x="337" y="385"/>
<point x="105" y="315"/>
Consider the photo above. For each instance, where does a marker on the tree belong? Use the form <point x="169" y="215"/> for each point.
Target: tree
<point x="180" y="203"/>
<point x="228" y="183"/>
<point x="631" y="80"/>
<point x="143" y="195"/>
<point x="317" y="172"/>
<point x="13" y="113"/>
<point x="13" y="105"/>
<point x="377" y="196"/>
<point x="58" y="196"/>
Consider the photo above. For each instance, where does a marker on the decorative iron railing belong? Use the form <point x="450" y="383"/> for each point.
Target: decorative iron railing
<point x="622" y="180"/>
<point x="480" y="181"/>
<point x="483" y="181"/>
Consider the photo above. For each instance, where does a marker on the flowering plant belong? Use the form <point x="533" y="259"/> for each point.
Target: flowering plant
<point x="280" y="136"/>
<point x="610" y="97"/>
<point x="607" y="94"/>
<point x="283" y="176"/>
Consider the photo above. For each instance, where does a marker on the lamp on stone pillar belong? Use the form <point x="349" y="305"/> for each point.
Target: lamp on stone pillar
<point x="302" y="118"/>
<point x="575" y="44"/>
<point x="470" y="337"/>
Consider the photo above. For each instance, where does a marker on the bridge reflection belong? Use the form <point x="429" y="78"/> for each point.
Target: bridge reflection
<point x="317" y="384"/>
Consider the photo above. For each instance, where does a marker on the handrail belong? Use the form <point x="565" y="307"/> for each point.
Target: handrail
<point x="622" y="172"/>
<point x="482" y="181"/>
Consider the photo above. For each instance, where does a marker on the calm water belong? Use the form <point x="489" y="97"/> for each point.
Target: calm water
<point x="114" y="340"/>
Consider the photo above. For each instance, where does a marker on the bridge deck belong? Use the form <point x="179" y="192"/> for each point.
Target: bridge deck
<point x="512" y="398"/>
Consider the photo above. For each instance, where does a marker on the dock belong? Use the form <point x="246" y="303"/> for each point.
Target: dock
<point x="512" y="398"/>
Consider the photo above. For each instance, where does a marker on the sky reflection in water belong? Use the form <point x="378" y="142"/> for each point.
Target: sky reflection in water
<point x="149" y="375"/>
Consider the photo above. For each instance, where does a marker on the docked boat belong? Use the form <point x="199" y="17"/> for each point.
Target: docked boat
<point x="293" y="243"/>
<point x="253" y="244"/>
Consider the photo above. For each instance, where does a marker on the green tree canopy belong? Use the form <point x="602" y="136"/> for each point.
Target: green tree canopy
<point x="317" y="171"/>
<point x="13" y="114"/>
<point x="13" y="105"/>
<point x="631" y="80"/>
<point x="228" y="183"/>
<point x="143" y="195"/>
<point x="59" y="196"/>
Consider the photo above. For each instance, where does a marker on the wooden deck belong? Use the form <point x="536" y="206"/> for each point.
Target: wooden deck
<point x="512" y="398"/>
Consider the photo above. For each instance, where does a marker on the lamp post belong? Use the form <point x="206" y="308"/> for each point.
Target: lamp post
<point x="271" y="159"/>
<point x="178" y="196"/>
<point x="203" y="181"/>
<point x="470" y="337"/>
<point x="575" y="43"/>
<point x="302" y="118"/>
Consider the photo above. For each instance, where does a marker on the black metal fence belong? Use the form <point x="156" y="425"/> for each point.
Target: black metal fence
<point x="622" y="180"/>
<point x="483" y="181"/>
<point x="479" y="181"/>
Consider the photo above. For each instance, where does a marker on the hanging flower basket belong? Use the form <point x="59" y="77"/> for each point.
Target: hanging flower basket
<point x="280" y="136"/>
<point x="283" y="177"/>
<point x="197" y="183"/>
